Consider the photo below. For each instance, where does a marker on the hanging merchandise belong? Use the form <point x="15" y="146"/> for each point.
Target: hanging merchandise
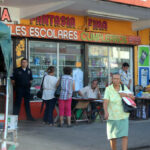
<point x="143" y="76"/>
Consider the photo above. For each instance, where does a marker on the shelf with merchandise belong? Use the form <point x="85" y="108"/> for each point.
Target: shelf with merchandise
<point x="67" y="66"/>
<point x="91" y="67"/>
<point x="40" y="53"/>
<point x="98" y="57"/>
<point x="98" y="76"/>
<point x="41" y="65"/>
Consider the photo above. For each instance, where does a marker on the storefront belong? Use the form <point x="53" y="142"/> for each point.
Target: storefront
<point x="97" y="47"/>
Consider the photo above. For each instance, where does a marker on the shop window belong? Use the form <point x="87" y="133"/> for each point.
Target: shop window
<point x="105" y="60"/>
<point x="45" y="54"/>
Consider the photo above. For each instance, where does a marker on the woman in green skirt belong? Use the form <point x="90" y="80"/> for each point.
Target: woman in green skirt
<point x="117" y="119"/>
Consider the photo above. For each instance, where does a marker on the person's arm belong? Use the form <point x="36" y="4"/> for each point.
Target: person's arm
<point x="99" y="94"/>
<point x="130" y="95"/>
<point x="31" y="77"/>
<point x="105" y="106"/>
<point x="57" y="84"/>
<point x="13" y="82"/>
<point x="73" y="87"/>
<point x="80" y="94"/>
<point x="13" y="77"/>
<point x="129" y="84"/>
<point x="83" y="91"/>
<point x="105" y="103"/>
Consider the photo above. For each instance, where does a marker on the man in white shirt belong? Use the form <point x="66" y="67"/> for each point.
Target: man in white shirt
<point x="91" y="91"/>
<point x="125" y="75"/>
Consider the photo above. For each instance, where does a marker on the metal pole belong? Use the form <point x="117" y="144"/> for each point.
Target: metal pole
<point x="4" y="146"/>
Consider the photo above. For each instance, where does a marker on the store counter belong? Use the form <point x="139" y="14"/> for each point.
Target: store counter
<point x="35" y="110"/>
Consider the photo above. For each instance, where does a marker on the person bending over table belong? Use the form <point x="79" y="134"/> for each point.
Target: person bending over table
<point x="91" y="91"/>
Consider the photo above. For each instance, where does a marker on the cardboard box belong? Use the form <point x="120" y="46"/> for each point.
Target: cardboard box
<point x="12" y="121"/>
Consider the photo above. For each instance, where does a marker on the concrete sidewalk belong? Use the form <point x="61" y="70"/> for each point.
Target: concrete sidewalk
<point x="36" y="136"/>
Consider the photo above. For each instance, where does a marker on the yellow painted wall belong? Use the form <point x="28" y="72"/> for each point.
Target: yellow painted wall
<point x="145" y="40"/>
<point x="114" y="27"/>
<point x="136" y="65"/>
<point x="144" y="34"/>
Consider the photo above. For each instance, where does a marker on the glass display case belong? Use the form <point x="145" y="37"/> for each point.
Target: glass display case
<point x="42" y="55"/>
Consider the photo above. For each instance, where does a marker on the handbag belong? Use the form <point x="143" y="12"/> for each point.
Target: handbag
<point x="128" y="104"/>
<point x="40" y="92"/>
<point x="58" y="90"/>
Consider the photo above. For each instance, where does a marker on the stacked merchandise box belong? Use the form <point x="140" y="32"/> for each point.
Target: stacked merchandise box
<point x="12" y="122"/>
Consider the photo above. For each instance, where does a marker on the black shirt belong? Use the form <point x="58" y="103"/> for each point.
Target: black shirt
<point x="22" y="77"/>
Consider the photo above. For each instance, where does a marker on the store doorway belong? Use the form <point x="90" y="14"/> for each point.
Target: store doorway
<point x="2" y="82"/>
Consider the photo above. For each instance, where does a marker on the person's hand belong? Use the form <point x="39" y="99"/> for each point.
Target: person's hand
<point x="123" y="94"/>
<point x="131" y="96"/>
<point x="106" y="115"/>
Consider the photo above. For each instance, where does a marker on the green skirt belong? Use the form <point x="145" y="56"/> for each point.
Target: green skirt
<point x="117" y="128"/>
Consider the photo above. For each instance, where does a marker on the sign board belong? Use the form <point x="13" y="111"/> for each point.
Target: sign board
<point x="10" y="15"/>
<point x="74" y="35"/>
<point x="143" y="3"/>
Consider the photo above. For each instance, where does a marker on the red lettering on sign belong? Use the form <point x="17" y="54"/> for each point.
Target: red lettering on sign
<point x="53" y="20"/>
<point x="5" y="15"/>
<point x="97" y="24"/>
<point x="56" y="21"/>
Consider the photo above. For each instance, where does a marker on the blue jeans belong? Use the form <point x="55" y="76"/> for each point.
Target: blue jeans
<point x="48" y="114"/>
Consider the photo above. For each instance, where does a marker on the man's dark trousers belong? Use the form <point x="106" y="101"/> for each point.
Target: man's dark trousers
<point x="22" y="92"/>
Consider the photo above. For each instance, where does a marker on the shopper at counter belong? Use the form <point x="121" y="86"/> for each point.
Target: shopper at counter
<point x="65" y="99"/>
<point x="49" y="87"/>
<point x="22" y="79"/>
<point x="125" y="75"/>
<point x="91" y="91"/>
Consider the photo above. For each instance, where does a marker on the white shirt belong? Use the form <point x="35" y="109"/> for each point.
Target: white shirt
<point x="125" y="77"/>
<point x="78" y="78"/>
<point x="49" y="87"/>
<point x="88" y="92"/>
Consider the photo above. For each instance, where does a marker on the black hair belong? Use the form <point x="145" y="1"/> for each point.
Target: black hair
<point x="94" y="80"/>
<point x="24" y="59"/>
<point x="67" y="70"/>
<point x="125" y="64"/>
<point x="50" y="69"/>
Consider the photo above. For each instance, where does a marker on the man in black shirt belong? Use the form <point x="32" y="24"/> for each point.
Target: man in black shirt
<point x="21" y="79"/>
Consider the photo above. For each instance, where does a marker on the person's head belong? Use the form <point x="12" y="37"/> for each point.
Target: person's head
<point x="116" y="79"/>
<point x="94" y="83"/>
<point x="24" y="63"/>
<point x="67" y="70"/>
<point x="125" y="66"/>
<point x="51" y="70"/>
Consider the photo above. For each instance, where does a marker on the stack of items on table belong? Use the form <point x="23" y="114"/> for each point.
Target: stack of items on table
<point x="143" y="93"/>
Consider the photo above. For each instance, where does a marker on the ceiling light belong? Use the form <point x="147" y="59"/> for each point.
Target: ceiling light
<point x="111" y="15"/>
